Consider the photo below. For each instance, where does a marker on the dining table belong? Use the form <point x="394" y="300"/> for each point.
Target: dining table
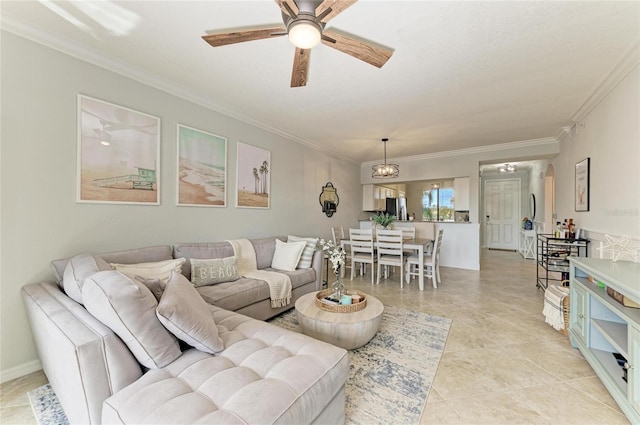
<point x="418" y="244"/>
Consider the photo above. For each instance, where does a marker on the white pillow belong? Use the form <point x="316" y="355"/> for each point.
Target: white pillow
<point x="78" y="269"/>
<point x="287" y="255"/>
<point x="156" y="270"/>
<point x="128" y="308"/>
<point x="307" y="253"/>
<point x="186" y="315"/>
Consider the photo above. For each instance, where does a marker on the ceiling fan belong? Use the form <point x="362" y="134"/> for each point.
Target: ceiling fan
<point x="304" y="23"/>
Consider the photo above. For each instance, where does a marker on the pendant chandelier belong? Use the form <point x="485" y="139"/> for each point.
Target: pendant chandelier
<point x="385" y="171"/>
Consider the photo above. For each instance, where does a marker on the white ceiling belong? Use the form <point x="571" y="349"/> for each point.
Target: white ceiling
<point x="463" y="74"/>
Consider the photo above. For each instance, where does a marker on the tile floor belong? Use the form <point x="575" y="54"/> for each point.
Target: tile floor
<point x="501" y="365"/>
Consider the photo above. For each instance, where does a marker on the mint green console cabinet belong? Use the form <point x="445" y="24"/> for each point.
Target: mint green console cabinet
<point x="606" y="332"/>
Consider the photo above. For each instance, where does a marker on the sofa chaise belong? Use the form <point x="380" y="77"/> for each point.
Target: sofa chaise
<point x="129" y="355"/>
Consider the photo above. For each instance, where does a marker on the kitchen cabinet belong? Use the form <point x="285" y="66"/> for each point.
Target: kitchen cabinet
<point x="605" y="331"/>
<point x="461" y="193"/>
<point x="373" y="198"/>
<point x="368" y="197"/>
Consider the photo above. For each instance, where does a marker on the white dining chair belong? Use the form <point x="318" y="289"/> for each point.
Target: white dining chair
<point x="337" y="232"/>
<point x="431" y="262"/>
<point x="362" y="250"/>
<point x="408" y="233"/>
<point x="389" y="247"/>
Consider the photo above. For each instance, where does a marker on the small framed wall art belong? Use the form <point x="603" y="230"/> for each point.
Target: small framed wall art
<point x="253" y="180"/>
<point x="201" y="169"/>
<point x="118" y="154"/>
<point x="582" y="185"/>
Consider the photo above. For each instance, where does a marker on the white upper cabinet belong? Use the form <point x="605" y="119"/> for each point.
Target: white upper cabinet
<point x="374" y="197"/>
<point x="368" y="197"/>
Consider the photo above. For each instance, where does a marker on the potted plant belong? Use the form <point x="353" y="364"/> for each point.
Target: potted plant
<point x="384" y="220"/>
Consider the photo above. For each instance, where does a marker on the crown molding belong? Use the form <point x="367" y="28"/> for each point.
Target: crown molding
<point x="71" y="49"/>
<point x="470" y="151"/>
<point x="630" y="60"/>
<point x="563" y="134"/>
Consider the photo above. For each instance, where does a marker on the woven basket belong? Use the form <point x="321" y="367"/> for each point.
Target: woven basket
<point x="340" y="308"/>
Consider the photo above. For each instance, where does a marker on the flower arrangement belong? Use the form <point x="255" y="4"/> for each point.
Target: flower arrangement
<point x="384" y="219"/>
<point x="335" y="253"/>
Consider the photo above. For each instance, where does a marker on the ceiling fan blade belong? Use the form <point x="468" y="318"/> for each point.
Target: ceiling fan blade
<point x="376" y="56"/>
<point x="241" y="36"/>
<point x="300" y="68"/>
<point x="292" y="5"/>
<point x="337" y="6"/>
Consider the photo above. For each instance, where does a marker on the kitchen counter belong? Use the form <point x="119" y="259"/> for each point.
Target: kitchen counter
<point x="418" y="222"/>
<point x="461" y="244"/>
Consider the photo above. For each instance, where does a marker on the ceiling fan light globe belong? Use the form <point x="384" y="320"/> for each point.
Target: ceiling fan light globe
<point x="304" y="35"/>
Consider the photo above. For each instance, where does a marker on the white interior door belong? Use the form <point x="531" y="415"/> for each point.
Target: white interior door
<point x="502" y="213"/>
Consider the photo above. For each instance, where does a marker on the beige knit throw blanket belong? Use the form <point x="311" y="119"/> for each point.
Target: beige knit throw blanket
<point x="279" y="283"/>
<point x="553" y="309"/>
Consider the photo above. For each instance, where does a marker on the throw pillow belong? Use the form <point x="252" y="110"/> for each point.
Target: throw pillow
<point x="307" y="253"/>
<point x="213" y="270"/>
<point x="128" y="308"/>
<point x="78" y="269"/>
<point x="155" y="285"/>
<point x="186" y="315"/>
<point x="287" y="255"/>
<point x="156" y="270"/>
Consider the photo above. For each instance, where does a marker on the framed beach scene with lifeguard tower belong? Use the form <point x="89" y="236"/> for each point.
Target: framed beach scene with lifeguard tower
<point x="118" y="154"/>
<point x="202" y="168"/>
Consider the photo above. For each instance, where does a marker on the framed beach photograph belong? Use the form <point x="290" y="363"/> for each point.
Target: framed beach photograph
<point x="118" y="154"/>
<point x="582" y="185"/>
<point x="252" y="179"/>
<point x="202" y="168"/>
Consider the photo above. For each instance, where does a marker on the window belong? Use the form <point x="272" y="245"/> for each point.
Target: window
<point x="437" y="204"/>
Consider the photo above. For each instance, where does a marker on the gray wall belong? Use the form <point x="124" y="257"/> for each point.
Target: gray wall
<point x="41" y="221"/>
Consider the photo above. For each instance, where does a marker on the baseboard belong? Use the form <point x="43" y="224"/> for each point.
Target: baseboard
<point x="21" y="370"/>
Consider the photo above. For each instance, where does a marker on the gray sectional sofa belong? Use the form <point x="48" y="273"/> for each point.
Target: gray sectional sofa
<point x="129" y="355"/>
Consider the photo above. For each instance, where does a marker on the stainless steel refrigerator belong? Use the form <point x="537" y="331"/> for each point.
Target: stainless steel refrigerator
<point x="397" y="207"/>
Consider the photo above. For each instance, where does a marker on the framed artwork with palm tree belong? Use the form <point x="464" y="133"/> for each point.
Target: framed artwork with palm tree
<point x="253" y="177"/>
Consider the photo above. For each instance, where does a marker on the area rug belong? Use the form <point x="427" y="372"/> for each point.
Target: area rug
<point x="46" y="406"/>
<point x="389" y="379"/>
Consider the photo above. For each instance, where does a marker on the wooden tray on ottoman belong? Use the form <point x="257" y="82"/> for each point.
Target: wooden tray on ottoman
<point x="340" y="308"/>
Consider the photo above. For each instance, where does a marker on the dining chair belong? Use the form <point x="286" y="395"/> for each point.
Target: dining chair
<point x="389" y="247"/>
<point x="408" y="233"/>
<point x="337" y="232"/>
<point x="431" y="262"/>
<point x="362" y="250"/>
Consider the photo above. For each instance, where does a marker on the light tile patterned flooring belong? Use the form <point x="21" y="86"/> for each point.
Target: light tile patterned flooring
<point x="501" y="365"/>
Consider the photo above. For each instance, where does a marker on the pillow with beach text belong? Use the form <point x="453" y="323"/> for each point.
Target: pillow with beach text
<point x="213" y="270"/>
